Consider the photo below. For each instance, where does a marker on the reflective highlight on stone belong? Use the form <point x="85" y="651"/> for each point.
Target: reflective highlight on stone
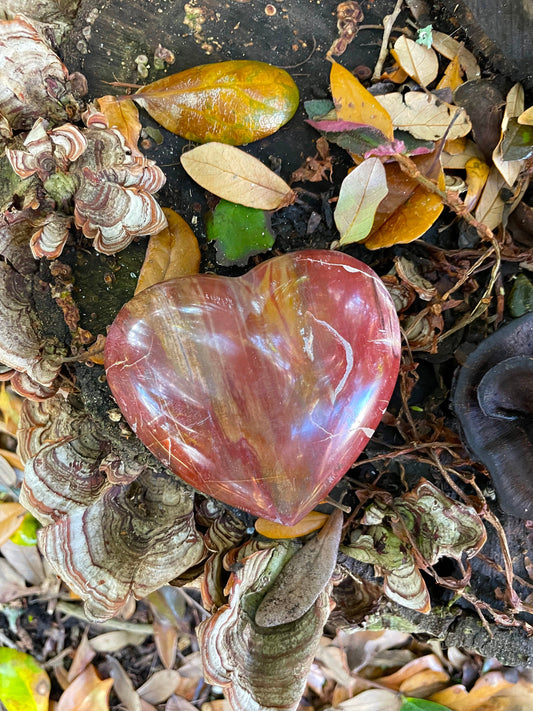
<point x="259" y="390"/>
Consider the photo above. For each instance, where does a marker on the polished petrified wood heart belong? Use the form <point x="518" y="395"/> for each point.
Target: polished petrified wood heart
<point x="259" y="390"/>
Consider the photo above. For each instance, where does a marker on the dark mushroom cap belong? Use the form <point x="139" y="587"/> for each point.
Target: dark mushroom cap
<point x="493" y="399"/>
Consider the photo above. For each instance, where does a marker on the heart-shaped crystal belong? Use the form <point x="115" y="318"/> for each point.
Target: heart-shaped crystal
<point x="259" y="390"/>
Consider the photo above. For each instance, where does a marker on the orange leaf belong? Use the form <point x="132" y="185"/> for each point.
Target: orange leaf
<point x="173" y="252"/>
<point x="12" y="458"/>
<point x="430" y="662"/>
<point x="312" y="522"/>
<point x="86" y="693"/>
<point x="477" y="172"/>
<point x="355" y="104"/>
<point x="123" y="115"/>
<point x="11" y="515"/>
<point x="452" y="76"/>
<point x="457" y="699"/>
<point x="233" y="102"/>
<point x="409" y="210"/>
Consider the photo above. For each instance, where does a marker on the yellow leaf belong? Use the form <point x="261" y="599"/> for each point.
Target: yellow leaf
<point x="408" y="210"/>
<point x="425" y="116"/>
<point x="236" y="176"/>
<point x="173" y="252"/>
<point x="11" y="516"/>
<point x="24" y="686"/>
<point x="312" y="522"/>
<point x="233" y="102"/>
<point x="419" y="62"/>
<point x="452" y="76"/>
<point x="355" y="104"/>
<point x="429" y="662"/>
<point x="123" y="115"/>
<point x="458" y="159"/>
<point x="489" y="209"/>
<point x="10" y="405"/>
<point x="12" y="458"/>
<point x="457" y="699"/>
<point x="451" y="48"/>
<point x="86" y="693"/>
<point x="477" y="172"/>
<point x="526" y="117"/>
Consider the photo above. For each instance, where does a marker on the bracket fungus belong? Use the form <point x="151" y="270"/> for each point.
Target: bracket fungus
<point x="107" y="540"/>
<point x="259" y="390"/>
<point x="493" y="399"/>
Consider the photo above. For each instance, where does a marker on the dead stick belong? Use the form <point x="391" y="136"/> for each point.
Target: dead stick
<point x="388" y="24"/>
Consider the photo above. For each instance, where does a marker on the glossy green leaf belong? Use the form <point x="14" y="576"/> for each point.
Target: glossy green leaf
<point x="233" y="102"/>
<point x="411" y="704"/>
<point x="354" y="138"/>
<point x="361" y="192"/>
<point x="24" y="686"/>
<point x="239" y="231"/>
<point x="26" y="534"/>
<point x="318" y="108"/>
<point x="517" y="143"/>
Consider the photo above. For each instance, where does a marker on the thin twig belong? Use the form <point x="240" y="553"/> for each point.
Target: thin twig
<point x="388" y="24"/>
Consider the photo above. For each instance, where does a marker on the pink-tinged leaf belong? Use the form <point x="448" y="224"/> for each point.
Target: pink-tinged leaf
<point x="361" y="192"/>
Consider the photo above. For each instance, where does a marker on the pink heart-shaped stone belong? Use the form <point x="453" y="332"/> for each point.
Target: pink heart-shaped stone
<point x="259" y="390"/>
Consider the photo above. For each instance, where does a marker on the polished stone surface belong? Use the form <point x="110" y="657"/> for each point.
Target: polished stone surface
<point x="259" y="390"/>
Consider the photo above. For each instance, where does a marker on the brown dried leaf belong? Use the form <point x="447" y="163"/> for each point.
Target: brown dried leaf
<point x="124" y="116"/>
<point x="160" y="686"/>
<point x="303" y="578"/>
<point x="372" y="700"/>
<point x="451" y="48"/>
<point x="171" y="253"/>
<point x="429" y="662"/>
<point x="176" y="703"/>
<point x="514" y="106"/>
<point x="424" y="683"/>
<point x="452" y="76"/>
<point x="489" y="210"/>
<point x="419" y="62"/>
<point x="86" y="693"/>
<point x="83" y="657"/>
<point x="236" y="176"/>
<point x="458" y="699"/>
<point x="123" y="686"/>
<point x="116" y="640"/>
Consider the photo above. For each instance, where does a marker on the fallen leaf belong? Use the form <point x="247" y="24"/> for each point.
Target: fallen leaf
<point x="517" y="144"/>
<point x="116" y="640"/>
<point x="8" y="476"/>
<point x="451" y="48"/>
<point x="477" y="173"/>
<point x="510" y="168"/>
<point x="371" y="700"/>
<point x="458" y="160"/>
<point x="458" y="699"/>
<point x="312" y="522"/>
<point x="10" y="404"/>
<point x="361" y="192"/>
<point x="428" y="662"/>
<point x="12" y="458"/>
<point x="483" y="102"/>
<point x="489" y="210"/>
<point x="424" y="116"/>
<point x="123" y="686"/>
<point x="11" y="517"/>
<point x="240" y="232"/>
<point x="173" y="252"/>
<point x="358" y="139"/>
<point x="160" y="686"/>
<point x="452" y="76"/>
<point x="26" y="533"/>
<point x="86" y="693"/>
<point x="236" y="176"/>
<point x="425" y="683"/>
<point x="175" y="703"/>
<point x="410" y="704"/>
<point x="526" y="117"/>
<point x="303" y="577"/>
<point x="124" y="116"/>
<point x="408" y="210"/>
<point x="82" y="658"/>
<point x="233" y="102"/>
<point x="421" y="63"/>
<point x="353" y="103"/>
<point x="26" y="560"/>
<point x="168" y="608"/>
<point x="217" y="705"/>
<point x="24" y="686"/>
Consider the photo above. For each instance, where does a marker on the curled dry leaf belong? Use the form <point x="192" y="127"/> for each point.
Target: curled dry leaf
<point x="361" y="192"/>
<point x="236" y="176"/>
<point x="11" y="515"/>
<point x="509" y="169"/>
<point x="451" y="48"/>
<point x="259" y="668"/>
<point x="233" y="102"/>
<point x="312" y="522"/>
<point x="408" y="210"/>
<point x="353" y="103"/>
<point x="371" y="700"/>
<point x="424" y="116"/>
<point x="124" y="116"/>
<point x="86" y="693"/>
<point x="526" y="117"/>
<point x="421" y="63"/>
<point x="171" y="253"/>
<point x="303" y="578"/>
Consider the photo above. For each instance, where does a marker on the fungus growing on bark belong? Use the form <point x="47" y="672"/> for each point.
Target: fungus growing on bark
<point x="493" y="400"/>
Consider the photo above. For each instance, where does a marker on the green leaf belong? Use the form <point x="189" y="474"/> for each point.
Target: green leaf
<point x="26" y="534"/>
<point x="517" y="143"/>
<point x="353" y="137"/>
<point x="520" y="300"/>
<point x="24" y="686"/>
<point x="411" y="704"/>
<point x="361" y="192"/>
<point x="318" y="108"/>
<point x="240" y="232"/>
